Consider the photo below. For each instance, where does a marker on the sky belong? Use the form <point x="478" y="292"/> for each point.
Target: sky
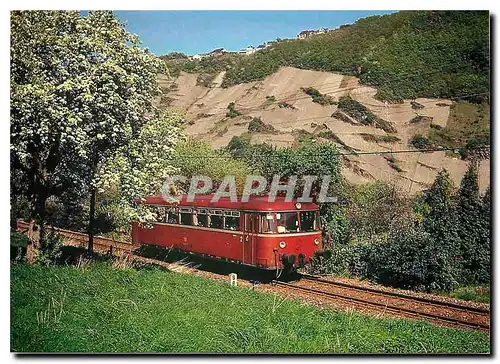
<point x="193" y="32"/>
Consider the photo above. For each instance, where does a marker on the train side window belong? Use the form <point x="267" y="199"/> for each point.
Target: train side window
<point x="216" y="219"/>
<point x="185" y="214"/>
<point x="287" y="222"/>
<point x="172" y="216"/>
<point x="249" y="223"/>
<point x="200" y="218"/>
<point x="232" y="220"/>
<point x="267" y="224"/>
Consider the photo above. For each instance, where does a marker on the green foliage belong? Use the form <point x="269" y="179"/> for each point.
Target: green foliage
<point x="238" y="144"/>
<point x="318" y="97"/>
<point x="407" y="55"/>
<point x="409" y="258"/>
<point x="205" y="79"/>
<point x="50" y="252"/>
<point x="81" y="89"/>
<point x="174" y="55"/>
<point x="380" y="138"/>
<point x="196" y="158"/>
<point x="473" y="293"/>
<point x="336" y="226"/>
<point x="421" y="142"/>
<point x="416" y="105"/>
<point x="18" y="239"/>
<point x="372" y="209"/>
<point x="127" y="310"/>
<point x="138" y="169"/>
<point x="468" y="127"/>
<point x="232" y="113"/>
<point x="440" y="220"/>
<point x="421" y="119"/>
<point x="208" y="66"/>
<point x="271" y="99"/>
<point x="474" y="228"/>
<point x="286" y="105"/>
<point x="256" y="125"/>
<point x="303" y="136"/>
<point x="444" y="242"/>
<point x="362" y="114"/>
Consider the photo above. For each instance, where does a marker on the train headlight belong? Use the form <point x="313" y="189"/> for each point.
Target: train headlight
<point x="298" y="205"/>
<point x="282" y="244"/>
<point x="316" y="242"/>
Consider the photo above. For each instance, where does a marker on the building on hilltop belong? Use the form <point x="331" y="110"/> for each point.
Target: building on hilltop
<point x="218" y="52"/>
<point x="308" y="33"/>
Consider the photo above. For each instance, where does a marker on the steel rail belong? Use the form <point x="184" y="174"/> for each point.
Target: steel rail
<point x="411" y="312"/>
<point x="400" y="295"/>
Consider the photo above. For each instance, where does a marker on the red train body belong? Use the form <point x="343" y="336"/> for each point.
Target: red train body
<point x="268" y="235"/>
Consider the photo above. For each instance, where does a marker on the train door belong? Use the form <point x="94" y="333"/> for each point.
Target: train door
<point x="249" y="238"/>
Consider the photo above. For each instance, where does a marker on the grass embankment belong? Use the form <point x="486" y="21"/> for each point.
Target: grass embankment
<point x="103" y="309"/>
<point x="472" y="293"/>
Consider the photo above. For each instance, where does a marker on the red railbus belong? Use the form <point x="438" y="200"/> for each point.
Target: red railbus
<point x="267" y="235"/>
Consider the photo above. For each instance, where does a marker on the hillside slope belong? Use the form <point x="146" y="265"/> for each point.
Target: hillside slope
<point x="279" y="101"/>
<point x="405" y="55"/>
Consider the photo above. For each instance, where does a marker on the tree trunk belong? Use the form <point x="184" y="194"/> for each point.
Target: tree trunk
<point x="36" y="230"/>
<point x="91" y="220"/>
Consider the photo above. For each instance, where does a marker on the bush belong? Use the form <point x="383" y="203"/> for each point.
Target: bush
<point x="380" y="138"/>
<point x="421" y="142"/>
<point x="256" y="125"/>
<point x="362" y="114"/>
<point x="232" y="113"/>
<point x="49" y="254"/>
<point x="331" y="261"/>
<point x="410" y="258"/>
<point x="318" y="97"/>
<point x="285" y="105"/>
<point x="416" y="106"/>
<point x="421" y="119"/>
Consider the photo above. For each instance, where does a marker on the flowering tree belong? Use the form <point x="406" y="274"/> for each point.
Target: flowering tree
<point x="139" y="168"/>
<point x="81" y="89"/>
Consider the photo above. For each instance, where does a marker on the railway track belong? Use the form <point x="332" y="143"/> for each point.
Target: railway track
<point x="101" y="243"/>
<point x="450" y="314"/>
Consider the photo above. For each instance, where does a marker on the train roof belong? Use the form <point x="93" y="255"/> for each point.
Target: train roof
<point x="255" y="203"/>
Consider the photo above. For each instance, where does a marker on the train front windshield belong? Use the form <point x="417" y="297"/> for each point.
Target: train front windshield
<point x="309" y="221"/>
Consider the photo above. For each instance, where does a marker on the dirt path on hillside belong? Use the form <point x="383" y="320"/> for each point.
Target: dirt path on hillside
<point x="206" y="110"/>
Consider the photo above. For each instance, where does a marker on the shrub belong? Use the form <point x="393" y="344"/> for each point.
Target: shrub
<point x="331" y="261"/>
<point x="416" y="106"/>
<point x="232" y="113"/>
<point x="271" y="99"/>
<point x="380" y="138"/>
<point x="409" y="258"/>
<point x="341" y="116"/>
<point x="49" y="254"/>
<point x="318" y="97"/>
<point x="285" y="105"/>
<point x="421" y="142"/>
<point x="256" y="125"/>
<point x="421" y="119"/>
<point x="361" y="113"/>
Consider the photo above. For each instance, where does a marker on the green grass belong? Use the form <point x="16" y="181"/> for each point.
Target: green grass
<point x="104" y="309"/>
<point x="472" y="293"/>
<point x="468" y="125"/>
